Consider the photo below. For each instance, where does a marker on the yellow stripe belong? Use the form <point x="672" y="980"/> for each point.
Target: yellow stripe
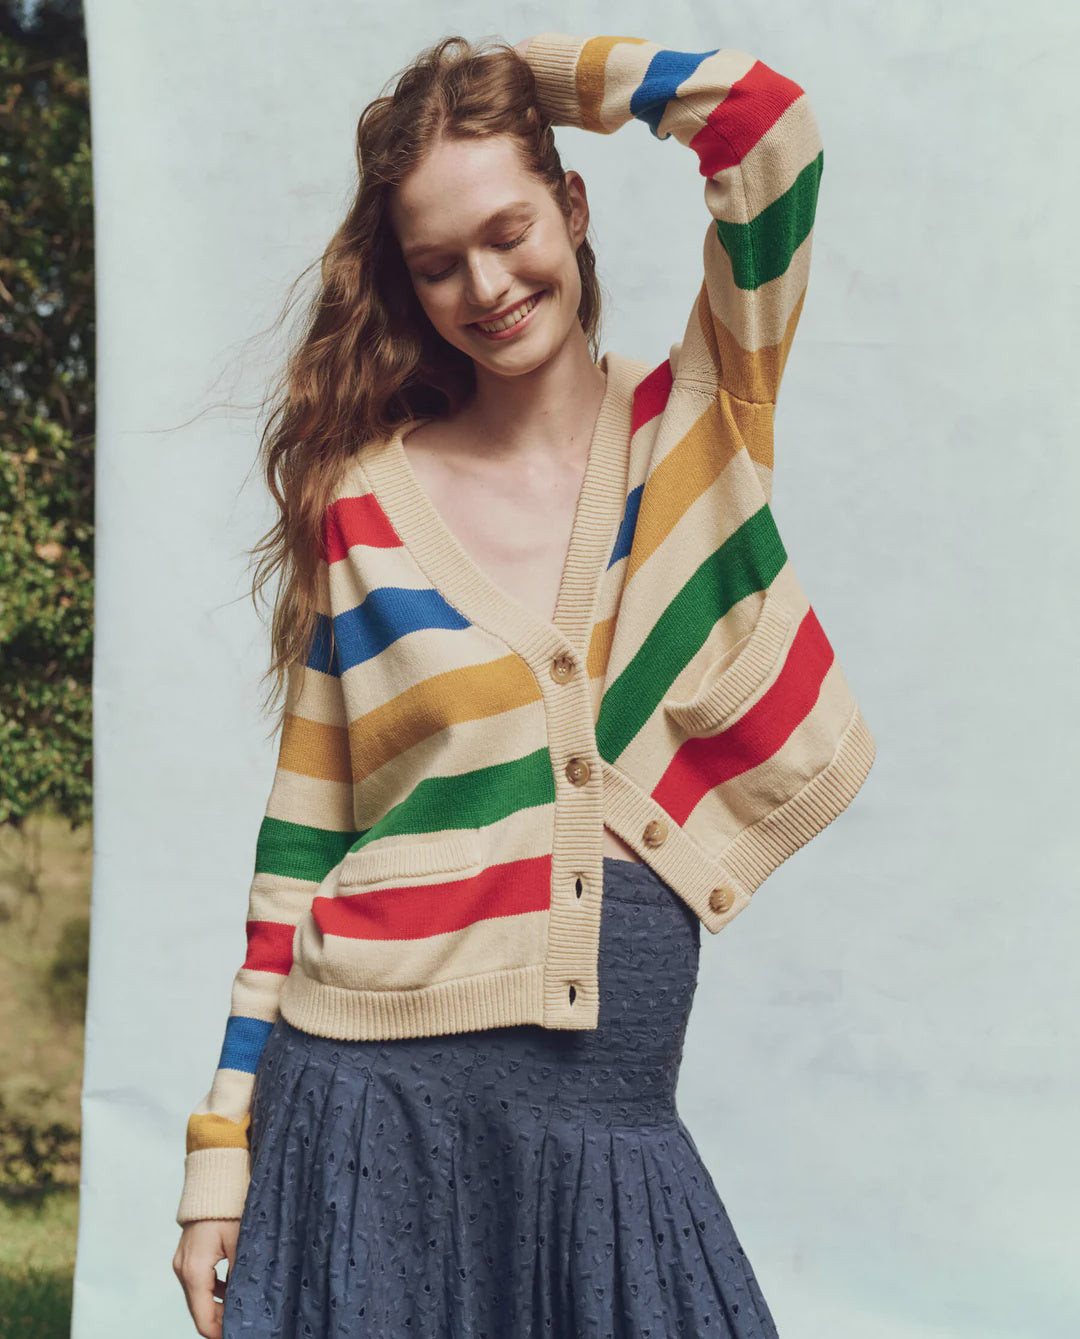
<point x="702" y="453"/>
<point x="211" y="1131"/>
<point x="590" y="79"/>
<point x="750" y="374"/>
<point x="603" y="634"/>
<point x="313" y="749"/>
<point x="467" y="694"/>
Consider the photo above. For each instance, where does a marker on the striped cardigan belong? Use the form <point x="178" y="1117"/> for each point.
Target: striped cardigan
<point x="430" y="860"/>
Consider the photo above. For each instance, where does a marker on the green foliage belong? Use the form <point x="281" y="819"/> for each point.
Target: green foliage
<point x="69" y="970"/>
<point x="35" y="1157"/>
<point x="46" y="416"/>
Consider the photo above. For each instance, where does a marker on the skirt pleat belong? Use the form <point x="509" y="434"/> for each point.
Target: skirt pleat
<point x="506" y="1183"/>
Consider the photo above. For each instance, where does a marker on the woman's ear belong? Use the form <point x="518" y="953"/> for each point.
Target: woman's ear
<point x="578" y="223"/>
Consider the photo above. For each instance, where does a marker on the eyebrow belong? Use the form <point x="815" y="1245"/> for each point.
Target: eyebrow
<point x="500" y="215"/>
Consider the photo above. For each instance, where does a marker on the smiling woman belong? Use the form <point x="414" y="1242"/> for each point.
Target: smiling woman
<point x="492" y="261"/>
<point x="555" y="700"/>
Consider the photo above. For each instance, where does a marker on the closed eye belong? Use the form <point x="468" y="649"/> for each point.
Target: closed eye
<point x="500" y="246"/>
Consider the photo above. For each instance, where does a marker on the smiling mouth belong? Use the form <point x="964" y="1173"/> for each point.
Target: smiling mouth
<point x="515" y="316"/>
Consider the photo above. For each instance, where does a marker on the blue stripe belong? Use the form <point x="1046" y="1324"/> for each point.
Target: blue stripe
<point x="244" y="1042"/>
<point x="323" y="654"/>
<point x="625" y="538"/>
<point x="667" y="70"/>
<point x="386" y="613"/>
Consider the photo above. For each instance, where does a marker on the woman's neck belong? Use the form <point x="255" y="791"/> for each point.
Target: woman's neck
<point x="549" y="409"/>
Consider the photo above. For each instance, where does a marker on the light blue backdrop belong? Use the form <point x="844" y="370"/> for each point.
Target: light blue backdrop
<point x="881" y="1068"/>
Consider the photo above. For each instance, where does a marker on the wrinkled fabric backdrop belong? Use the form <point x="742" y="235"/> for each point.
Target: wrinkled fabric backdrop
<point x="880" y="1070"/>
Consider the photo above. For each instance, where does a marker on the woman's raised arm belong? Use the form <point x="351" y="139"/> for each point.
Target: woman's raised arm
<point x="758" y="146"/>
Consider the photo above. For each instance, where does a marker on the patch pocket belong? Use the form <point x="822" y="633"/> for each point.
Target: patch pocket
<point x="730" y="681"/>
<point x="457" y="852"/>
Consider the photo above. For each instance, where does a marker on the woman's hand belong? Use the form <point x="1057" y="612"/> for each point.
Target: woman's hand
<point x="203" y="1244"/>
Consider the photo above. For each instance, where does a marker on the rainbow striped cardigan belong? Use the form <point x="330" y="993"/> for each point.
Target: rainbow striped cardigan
<point x="430" y="860"/>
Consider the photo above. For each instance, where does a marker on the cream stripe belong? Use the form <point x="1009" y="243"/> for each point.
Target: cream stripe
<point x="274" y="897"/>
<point x="407" y="964"/>
<point x="758" y="319"/>
<point x="310" y="801"/>
<point x="230" y="1095"/>
<point x="255" y="994"/>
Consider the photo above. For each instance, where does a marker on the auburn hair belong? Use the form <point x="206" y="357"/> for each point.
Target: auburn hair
<point x="368" y="359"/>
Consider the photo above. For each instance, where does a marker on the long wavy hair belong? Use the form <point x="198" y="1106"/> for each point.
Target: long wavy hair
<point x="368" y="358"/>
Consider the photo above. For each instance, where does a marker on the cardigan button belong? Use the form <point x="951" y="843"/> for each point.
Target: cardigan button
<point x="578" y="771"/>
<point x="655" y="832"/>
<point x="720" y="899"/>
<point x="562" y="667"/>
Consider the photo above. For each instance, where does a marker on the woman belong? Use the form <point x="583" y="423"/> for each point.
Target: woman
<point x="414" y="1169"/>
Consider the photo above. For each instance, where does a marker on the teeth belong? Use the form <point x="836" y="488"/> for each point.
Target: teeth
<point x="511" y="318"/>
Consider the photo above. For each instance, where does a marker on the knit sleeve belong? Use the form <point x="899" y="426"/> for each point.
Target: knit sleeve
<point x="759" y="149"/>
<point x="307" y="828"/>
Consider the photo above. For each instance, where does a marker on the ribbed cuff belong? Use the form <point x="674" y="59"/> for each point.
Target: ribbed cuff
<point x="553" y="59"/>
<point x="215" y="1184"/>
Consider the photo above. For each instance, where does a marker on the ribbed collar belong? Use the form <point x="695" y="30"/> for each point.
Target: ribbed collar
<point x="452" y="571"/>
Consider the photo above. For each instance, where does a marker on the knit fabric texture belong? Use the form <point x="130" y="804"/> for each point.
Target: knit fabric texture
<point x="431" y="856"/>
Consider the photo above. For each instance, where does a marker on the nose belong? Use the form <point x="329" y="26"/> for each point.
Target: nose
<point x="487" y="282"/>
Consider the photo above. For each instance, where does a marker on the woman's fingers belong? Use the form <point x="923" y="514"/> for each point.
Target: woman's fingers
<point x="203" y="1244"/>
<point x="230" y="1232"/>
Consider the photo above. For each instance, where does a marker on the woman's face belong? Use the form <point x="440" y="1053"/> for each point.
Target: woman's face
<point x="480" y="236"/>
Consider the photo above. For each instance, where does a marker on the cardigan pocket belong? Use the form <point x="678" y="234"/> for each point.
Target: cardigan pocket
<point x="728" y="682"/>
<point x="460" y="851"/>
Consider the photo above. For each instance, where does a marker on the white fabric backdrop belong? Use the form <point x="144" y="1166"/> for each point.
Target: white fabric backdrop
<point x="880" y="1071"/>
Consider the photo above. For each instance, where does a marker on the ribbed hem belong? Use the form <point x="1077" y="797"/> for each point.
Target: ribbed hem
<point x="758" y="849"/>
<point x="751" y="856"/>
<point x="498" y="999"/>
<point x="553" y="59"/>
<point x="215" y="1184"/>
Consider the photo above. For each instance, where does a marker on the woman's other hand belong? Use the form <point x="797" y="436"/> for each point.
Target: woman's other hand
<point x="203" y="1244"/>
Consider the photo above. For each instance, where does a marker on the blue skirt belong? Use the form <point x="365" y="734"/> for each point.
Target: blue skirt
<point x="508" y="1183"/>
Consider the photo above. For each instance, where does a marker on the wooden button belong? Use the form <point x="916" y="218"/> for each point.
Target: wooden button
<point x="562" y="668"/>
<point x="655" y="833"/>
<point x="720" y="899"/>
<point x="578" y="771"/>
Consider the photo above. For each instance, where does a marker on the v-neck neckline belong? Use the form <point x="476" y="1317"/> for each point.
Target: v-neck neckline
<point x="453" y="571"/>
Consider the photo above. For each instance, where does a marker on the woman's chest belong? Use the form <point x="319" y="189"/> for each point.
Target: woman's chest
<point x="515" y="522"/>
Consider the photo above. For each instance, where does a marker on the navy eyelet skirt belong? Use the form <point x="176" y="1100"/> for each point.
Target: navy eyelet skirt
<point x="507" y="1183"/>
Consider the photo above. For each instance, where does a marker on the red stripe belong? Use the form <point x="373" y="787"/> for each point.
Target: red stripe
<point x="702" y="763"/>
<point x="406" y="912"/>
<point x="269" y="946"/>
<point x="651" y="395"/>
<point x="752" y="107"/>
<point x="356" y="520"/>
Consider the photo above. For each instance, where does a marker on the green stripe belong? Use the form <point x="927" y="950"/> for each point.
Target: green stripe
<point x="470" y="799"/>
<point x="296" y="851"/>
<point x="746" y="562"/>
<point x="761" y="250"/>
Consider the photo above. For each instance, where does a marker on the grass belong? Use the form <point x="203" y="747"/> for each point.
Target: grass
<point x="37" y="1263"/>
<point x="44" y="899"/>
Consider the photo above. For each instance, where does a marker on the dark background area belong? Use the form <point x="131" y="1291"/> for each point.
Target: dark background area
<point x="46" y="643"/>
